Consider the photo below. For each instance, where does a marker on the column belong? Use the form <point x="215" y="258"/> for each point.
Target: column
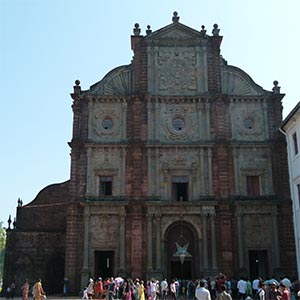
<point x="123" y="171"/>
<point x="85" y="267"/>
<point x="210" y="189"/>
<point x="158" y="242"/>
<point x="213" y="241"/>
<point x="236" y="171"/>
<point x="275" y="237"/>
<point x="122" y="240"/>
<point x="207" y="119"/>
<point x="157" y="178"/>
<point x="149" y="242"/>
<point x="204" y="237"/>
<point x="150" y="173"/>
<point x="123" y="124"/>
<point x="202" y="173"/>
<point x="240" y="239"/>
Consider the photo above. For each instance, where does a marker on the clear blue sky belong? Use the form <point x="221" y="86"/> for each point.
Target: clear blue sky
<point x="47" y="44"/>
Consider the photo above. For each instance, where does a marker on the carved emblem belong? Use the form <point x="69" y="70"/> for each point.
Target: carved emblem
<point x="250" y="123"/>
<point x="106" y="122"/>
<point x="177" y="70"/>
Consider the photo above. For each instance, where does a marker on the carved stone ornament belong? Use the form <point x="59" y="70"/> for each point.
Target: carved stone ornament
<point x="103" y="229"/>
<point x="250" y="123"/>
<point x="177" y="70"/>
<point x="178" y="122"/>
<point x="116" y="82"/>
<point x="106" y="122"/>
<point x="237" y="82"/>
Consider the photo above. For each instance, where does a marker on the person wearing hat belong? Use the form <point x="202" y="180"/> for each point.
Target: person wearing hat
<point x="272" y="292"/>
<point x="285" y="294"/>
<point x="90" y="289"/>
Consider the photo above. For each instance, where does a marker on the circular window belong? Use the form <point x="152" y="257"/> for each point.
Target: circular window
<point x="107" y="123"/>
<point x="178" y="124"/>
<point x="249" y="123"/>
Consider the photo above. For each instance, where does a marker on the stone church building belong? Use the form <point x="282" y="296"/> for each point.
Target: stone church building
<point x="177" y="169"/>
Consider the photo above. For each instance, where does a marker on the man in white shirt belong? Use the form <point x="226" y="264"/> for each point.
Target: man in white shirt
<point x="201" y="292"/>
<point x="255" y="287"/>
<point x="164" y="289"/>
<point x="242" y="288"/>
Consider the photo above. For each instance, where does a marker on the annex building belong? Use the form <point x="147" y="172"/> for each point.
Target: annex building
<point x="178" y="169"/>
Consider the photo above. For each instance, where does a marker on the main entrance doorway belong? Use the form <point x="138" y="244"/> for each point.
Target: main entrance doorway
<point x="104" y="264"/>
<point x="181" y="270"/>
<point x="182" y="257"/>
<point x="258" y="263"/>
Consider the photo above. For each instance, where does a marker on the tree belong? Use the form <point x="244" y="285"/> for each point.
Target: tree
<point x="2" y="248"/>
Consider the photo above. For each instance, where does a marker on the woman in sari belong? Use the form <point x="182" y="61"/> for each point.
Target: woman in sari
<point x="38" y="291"/>
<point x="25" y="290"/>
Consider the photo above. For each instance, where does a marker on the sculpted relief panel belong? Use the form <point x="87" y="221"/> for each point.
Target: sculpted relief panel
<point x="106" y="121"/>
<point x="104" y="230"/>
<point x="179" y="122"/>
<point x="176" y="70"/>
<point x="249" y="121"/>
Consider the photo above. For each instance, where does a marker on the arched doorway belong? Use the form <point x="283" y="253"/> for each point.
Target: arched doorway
<point x="182" y="254"/>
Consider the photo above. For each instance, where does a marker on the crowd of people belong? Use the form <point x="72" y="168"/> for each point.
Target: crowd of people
<point x="215" y="288"/>
<point x="37" y="290"/>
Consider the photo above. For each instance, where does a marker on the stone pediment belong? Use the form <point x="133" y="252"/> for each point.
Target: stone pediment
<point x="237" y="82"/>
<point x="175" y="31"/>
<point x="116" y="82"/>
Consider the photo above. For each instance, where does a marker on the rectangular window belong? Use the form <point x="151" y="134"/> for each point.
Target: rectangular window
<point x="295" y="141"/>
<point x="106" y="185"/>
<point x="180" y="186"/>
<point x="253" y="186"/>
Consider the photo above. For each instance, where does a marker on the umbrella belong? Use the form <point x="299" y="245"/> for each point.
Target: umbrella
<point x="118" y="280"/>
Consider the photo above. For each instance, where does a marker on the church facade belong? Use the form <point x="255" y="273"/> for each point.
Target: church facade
<point x="177" y="169"/>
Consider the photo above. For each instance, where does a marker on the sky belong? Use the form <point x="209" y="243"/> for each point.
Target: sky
<point x="45" y="45"/>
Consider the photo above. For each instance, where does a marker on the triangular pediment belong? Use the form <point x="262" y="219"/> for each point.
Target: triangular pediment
<point x="175" y="31"/>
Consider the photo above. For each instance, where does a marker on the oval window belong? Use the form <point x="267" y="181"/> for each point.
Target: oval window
<point x="107" y="123"/>
<point x="178" y="124"/>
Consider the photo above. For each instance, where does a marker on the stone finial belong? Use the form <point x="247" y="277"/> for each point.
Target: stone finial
<point x="77" y="87"/>
<point x="136" y="29"/>
<point x="148" y="31"/>
<point x="203" y="31"/>
<point x="175" y="17"/>
<point x="14" y="223"/>
<point x="9" y="221"/>
<point x="276" y="88"/>
<point x="215" y="30"/>
<point x="20" y="202"/>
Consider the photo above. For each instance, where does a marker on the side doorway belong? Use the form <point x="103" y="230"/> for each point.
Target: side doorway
<point x="104" y="264"/>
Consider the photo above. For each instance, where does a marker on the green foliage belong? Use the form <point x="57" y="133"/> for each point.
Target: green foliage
<point x="2" y="248"/>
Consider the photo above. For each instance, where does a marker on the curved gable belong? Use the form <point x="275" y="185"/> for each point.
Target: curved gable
<point x="237" y="82"/>
<point x="116" y="82"/>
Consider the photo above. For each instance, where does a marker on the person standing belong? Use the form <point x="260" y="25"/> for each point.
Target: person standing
<point x="25" y="290"/>
<point x="262" y="291"/>
<point x="37" y="290"/>
<point x="201" y="292"/>
<point x="141" y="291"/>
<point x="224" y="295"/>
<point x="242" y="288"/>
<point x="164" y="289"/>
<point x="285" y="294"/>
<point x="98" y="288"/>
<point x="173" y="290"/>
<point x="90" y="289"/>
